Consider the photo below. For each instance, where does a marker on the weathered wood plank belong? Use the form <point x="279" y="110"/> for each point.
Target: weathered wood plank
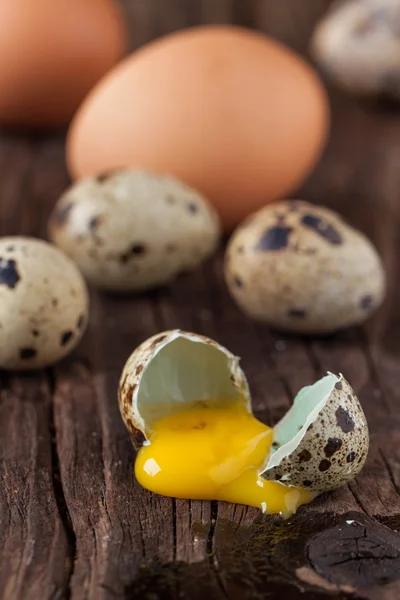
<point x="73" y="521"/>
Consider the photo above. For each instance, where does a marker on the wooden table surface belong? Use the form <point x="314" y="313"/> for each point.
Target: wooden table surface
<point x="74" y="524"/>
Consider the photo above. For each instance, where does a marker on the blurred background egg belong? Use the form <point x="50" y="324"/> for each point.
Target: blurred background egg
<point x="51" y="55"/>
<point x="231" y="112"/>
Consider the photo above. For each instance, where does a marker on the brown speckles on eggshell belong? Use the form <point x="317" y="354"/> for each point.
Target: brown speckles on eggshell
<point x="105" y="176"/>
<point x="27" y="353"/>
<point x="367" y="302"/>
<point x="344" y="419"/>
<point x="304" y="456"/>
<point x="333" y="445"/>
<point x="320" y="226"/>
<point x="9" y="274"/>
<point x="324" y="465"/>
<point x="274" y="239"/>
<point x="66" y="337"/>
<point x="351" y="457"/>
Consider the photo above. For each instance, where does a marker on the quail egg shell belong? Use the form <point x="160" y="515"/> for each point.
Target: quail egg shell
<point x="171" y="369"/>
<point x="133" y="230"/>
<point x="322" y="441"/>
<point x="301" y="268"/>
<point x="43" y="304"/>
<point x="358" y="45"/>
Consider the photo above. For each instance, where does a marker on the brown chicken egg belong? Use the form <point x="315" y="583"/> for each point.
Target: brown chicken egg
<point x="232" y="113"/>
<point x="51" y="54"/>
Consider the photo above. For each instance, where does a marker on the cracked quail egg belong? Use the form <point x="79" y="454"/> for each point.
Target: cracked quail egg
<point x="133" y="230"/>
<point x="186" y="404"/>
<point x="43" y="304"/>
<point x="302" y="268"/>
<point x="358" y="45"/>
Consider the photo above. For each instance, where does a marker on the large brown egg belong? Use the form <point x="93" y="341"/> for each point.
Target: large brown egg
<point x="51" y="54"/>
<point x="229" y="111"/>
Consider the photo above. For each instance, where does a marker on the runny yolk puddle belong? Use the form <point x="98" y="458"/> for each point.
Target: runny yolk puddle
<point x="214" y="453"/>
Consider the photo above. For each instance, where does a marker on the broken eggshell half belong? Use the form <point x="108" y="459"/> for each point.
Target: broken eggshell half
<point x="322" y="441"/>
<point x="320" y="444"/>
<point x="169" y="371"/>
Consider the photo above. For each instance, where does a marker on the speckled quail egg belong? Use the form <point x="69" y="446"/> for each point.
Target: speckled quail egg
<point x="358" y="45"/>
<point x="325" y="446"/>
<point x="133" y="230"/>
<point x="43" y="304"/>
<point x="187" y="406"/>
<point x="302" y="268"/>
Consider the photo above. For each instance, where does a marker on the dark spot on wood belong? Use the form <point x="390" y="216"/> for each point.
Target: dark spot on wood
<point x="344" y="420"/>
<point x="297" y="313"/>
<point x="324" y="465"/>
<point x="367" y="303"/>
<point x="304" y="456"/>
<point x="240" y="250"/>
<point x="35" y="333"/>
<point x="170" y="199"/>
<point x="237" y="281"/>
<point x="351" y="457"/>
<point x="333" y="445"/>
<point x="54" y="302"/>
<point x="80" y="322"/>
<point x="139" y="369"/>
<point x="9" y="275"/>
<point x="66" y="336"/>
<point x="307" y="483"/>
<point x="356" y="555"/>
<point x="275" y="238"/>
<point x="170" y="248"/>
<point x="61" y="215"/>
<point x="323" y="229"/>
<point x="27" y="353"/>
<point x="338" y="385"/>
<point x="193" y="208"/>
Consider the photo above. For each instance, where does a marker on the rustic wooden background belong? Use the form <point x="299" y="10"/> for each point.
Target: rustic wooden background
<point x="74" y="524"/>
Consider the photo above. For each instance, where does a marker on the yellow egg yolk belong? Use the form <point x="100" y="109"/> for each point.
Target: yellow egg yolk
<point x="214" y="453"/>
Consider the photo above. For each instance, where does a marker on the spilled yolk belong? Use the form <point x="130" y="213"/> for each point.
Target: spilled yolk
<point x="214" y="453"/>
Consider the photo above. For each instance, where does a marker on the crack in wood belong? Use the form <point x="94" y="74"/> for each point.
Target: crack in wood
<point x="389" y="470"/>
<point x="211" y="551"/>
<point x="59" y="491"/>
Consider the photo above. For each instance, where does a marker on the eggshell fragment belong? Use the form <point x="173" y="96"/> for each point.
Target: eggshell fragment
<point x="302" y="268"/>
<point x="171" y="369"/>
<point x="134" y="230"/>
<point x="358" y="45"/>
<point x="43" y="304"/>
<point x="322" y="442"/>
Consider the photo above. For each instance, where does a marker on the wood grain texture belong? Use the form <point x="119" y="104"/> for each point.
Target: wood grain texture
<point x="74" y="524"/>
